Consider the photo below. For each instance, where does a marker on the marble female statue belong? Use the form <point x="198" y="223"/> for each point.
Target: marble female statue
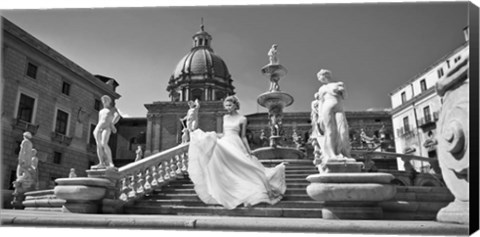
<point x="332" y="124"/>
<point x="25" y="155"/>
<point x="107" y="118"/>
<point x="273" y="55"/>
<point x="224" y="170"/>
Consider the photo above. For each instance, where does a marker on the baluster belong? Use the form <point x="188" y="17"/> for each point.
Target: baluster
<point x="184" y="164"/>
<point x="173" y="168"/>
<point x="132" y="187"/>
<point x="154" y="181"/>
<point x="124" y="190"/>
<point x="167" y="171"/>
<point x="139" y="183"/>
<point x="161" y="174"/>
<point x="179" y="166"/>
<point x="148" y="179"/>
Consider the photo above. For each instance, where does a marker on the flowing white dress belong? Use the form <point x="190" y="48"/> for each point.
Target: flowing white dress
<point x="224" y="173"/>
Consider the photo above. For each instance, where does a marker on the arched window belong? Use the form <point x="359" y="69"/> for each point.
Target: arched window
<point x="219" y="95"/>
<point x="197" y="94"/>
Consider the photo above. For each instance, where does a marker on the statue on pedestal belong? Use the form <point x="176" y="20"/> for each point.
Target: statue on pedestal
<point x="330" y="127"/>
<point x="273" y="55"/>
<point x="107" y="118"/>
<point x="138" y="153"/>
<point x="27" y="176"/>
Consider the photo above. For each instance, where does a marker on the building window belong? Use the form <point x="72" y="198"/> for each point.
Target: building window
<point x="32" y="70"/>
<point x="97" y="104"/>
<point x="405" y="124"/>
<point x="61" y="122"/>
<point x="440" y="72"/>
<point x="426" y="114"/>
<point x="448" y="63"/>
<point x="423" y="85"/>
<point x="404" y="97"/>
<point x="57" y="157"/>
<point x="25" y="108"/>
<point x="66" y="88"/>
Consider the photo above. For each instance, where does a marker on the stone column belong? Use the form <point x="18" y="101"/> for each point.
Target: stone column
<point x="148" y="145"/>
<point x="157" y="133"/>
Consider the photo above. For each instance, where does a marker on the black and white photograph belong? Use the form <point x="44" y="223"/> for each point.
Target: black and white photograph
<point x="337" y="118"/>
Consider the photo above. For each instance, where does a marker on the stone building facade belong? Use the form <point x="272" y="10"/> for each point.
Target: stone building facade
<point x="416" y="106"/>
<point x="53" y="98"/>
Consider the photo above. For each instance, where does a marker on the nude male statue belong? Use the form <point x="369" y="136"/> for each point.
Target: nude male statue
<point x="107" y="118"/>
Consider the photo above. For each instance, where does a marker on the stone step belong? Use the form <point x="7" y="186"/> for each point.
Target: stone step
<point x="181" y="202"/>
<point x="193" y="196"/>
<point x="173" y="190"/>
<point x="409" y="216"/>
<point x="412" y="206"/>
<point x="271" y="211"/>
<point x="423" y="197"/>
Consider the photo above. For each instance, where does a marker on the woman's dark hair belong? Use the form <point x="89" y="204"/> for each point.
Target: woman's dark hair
<point x="234" y="100"/>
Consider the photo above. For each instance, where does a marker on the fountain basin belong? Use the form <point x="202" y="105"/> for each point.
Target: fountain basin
<point x="270" y="153"/>
<point x="269" y="99"/>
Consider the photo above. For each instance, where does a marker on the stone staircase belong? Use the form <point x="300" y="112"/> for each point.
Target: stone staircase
<point x="179" y="198"/>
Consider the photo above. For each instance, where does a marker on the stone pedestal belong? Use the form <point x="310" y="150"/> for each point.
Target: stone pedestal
<point x="82" y="195"/>
<point x="348" y="194"/>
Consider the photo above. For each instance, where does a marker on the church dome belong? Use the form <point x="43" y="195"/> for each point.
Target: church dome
<point x="201" y="74"/>
<point x="201" y="63"/>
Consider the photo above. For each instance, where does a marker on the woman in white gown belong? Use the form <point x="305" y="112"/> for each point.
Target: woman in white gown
<point x="225" y="172"/>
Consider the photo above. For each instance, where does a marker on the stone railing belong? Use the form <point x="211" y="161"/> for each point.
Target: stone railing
<point x="141" y="177"/>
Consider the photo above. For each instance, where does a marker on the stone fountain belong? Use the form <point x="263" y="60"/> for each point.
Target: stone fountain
<point x="275" y="100"/>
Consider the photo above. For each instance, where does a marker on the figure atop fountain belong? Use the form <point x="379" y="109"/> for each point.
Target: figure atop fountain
<point x="107" y="118"/>
<point x="332" y="124"/>
<point x="273" y="55"/>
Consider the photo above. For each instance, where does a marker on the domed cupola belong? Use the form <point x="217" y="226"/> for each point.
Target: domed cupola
<point x="200" y="74"/>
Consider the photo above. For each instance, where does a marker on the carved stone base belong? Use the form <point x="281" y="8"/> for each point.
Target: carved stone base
<point x="455" y="212"/>
<point x="346" y="165"/>
<point x="82" y="195"/>
<point x="81" y="207"/>
<point x="351" y="195"/>
<point x="359" y="211"/>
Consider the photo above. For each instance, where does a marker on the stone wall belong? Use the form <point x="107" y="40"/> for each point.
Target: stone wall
<point x="19" y="48"/>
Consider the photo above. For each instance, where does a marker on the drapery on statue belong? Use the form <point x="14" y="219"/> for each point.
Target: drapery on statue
<point x="330" y="126"/>
<point x="273" y="55"/>
<point x="107" y="118"/>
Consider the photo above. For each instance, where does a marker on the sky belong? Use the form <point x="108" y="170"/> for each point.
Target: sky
<point x="372" y="47"/>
